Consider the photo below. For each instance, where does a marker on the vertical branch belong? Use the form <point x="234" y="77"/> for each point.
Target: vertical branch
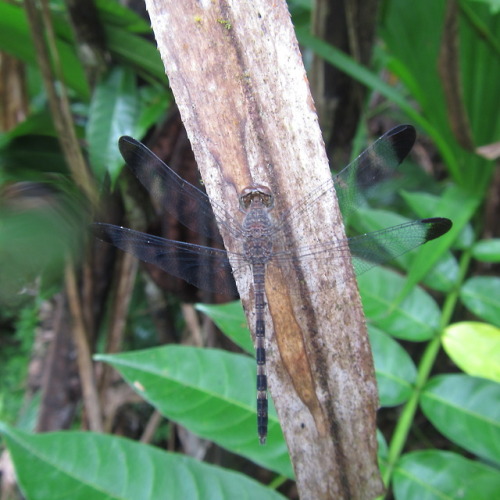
<point x="126" y="273"/>
<point x="85" y="366"/>
<point x="449" y="71"/>
<point x="349" y="25"/>
<point x="58" y="102"/>
<point x="237" y="75"/>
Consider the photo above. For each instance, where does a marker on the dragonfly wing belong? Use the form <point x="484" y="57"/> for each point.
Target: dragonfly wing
<point x="204" y="267"/>
<point x="371" y="249"/>
<point x="382" y="246"/>
<point x="375" y="164"/>
<point x="185" y="202"/>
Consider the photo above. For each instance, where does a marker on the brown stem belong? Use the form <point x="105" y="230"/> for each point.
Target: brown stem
<point x="50" y="66"/>
<point x="84" y="357"/>
<point x="126" y="273"/>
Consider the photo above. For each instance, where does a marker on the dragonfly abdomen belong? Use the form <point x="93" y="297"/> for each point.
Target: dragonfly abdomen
<point x="260" y="351"/>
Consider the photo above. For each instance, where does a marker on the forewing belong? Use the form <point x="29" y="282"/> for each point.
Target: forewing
<point x="377" y="163"/>
<point x="185" y="202"/>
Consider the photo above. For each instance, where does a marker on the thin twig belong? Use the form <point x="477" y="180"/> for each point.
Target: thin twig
<point x="153" y="423"/>
<point x="84" y="359"/>
<point x="126" y="272"/>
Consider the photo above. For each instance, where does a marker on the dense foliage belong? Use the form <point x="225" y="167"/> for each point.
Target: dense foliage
<point x="434" y="324"/>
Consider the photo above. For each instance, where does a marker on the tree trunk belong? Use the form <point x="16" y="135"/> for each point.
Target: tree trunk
<point x="238" y="79"/>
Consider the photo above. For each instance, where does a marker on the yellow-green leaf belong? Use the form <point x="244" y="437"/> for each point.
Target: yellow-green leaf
<point x="475" y="348"/>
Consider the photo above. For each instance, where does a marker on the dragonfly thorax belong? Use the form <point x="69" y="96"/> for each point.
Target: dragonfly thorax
<point x="257" y="225"/>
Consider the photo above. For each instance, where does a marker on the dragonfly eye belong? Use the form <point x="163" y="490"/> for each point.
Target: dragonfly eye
<point x="257" y="195"/>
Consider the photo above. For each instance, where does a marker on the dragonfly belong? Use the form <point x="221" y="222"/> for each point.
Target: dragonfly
<point x="260" y="239"/>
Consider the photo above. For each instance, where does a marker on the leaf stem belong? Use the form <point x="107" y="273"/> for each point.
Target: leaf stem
<point x="425" y="367"/>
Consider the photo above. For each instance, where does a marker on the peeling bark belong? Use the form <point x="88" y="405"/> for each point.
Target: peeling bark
<point x="242" y="91"/>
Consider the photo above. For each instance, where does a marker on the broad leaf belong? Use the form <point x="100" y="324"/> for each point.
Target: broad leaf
<point x="88" y="466"/>
<point x="467" y="411"/>
<point x="230" y="319"/>
<point x="208" y="391"/>
<point x="480" y="295"/>
<point x="457" y="205"/>
<point x="440" y="475"/>
<point x="17" y="40"/>
<point x="475" y="348"/>
<point x="444" y="275"/>
<point x="415" y="318"/>
<point x="113" y="113"/>
<point x="487" y="250"/>
<point x="394" y="368"/>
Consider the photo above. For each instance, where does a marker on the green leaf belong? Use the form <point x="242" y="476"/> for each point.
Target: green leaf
<point x="394" y="368"/>
<point x="154" y="102"/>
<point x="36" y="237"/>
<point x="467" y="411"/>
<point x="231" y="320"/>
<point x="37" y="123"/>
<point x="136" y="53"/>
<point x="487" y="250"/>
<point x="383" y="449"/>
<point x="494" y="5"/>
<point x="444" y="276"/>
<point x="16" y="39"/>
<point x="31" y="158"/>
<point x="475" y="348"/>
<point x="415" y="318"/>
<point x="401" y="29"/>
<point x="440" y="475"/>
<point x="458" y="206"/>
<point x="210" y="392"/>
<point x="351" y="67"/>
<point x="113" y="13"/>
<point x="480" y="295"/>
<point x="87" y="466"/>
<point x="422" y="203"/>
<point x="382" y="452"/>
<point x="113" y="113"/>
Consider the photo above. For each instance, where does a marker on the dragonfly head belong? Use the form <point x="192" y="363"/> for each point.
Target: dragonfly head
<point x="256" y="196"/>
